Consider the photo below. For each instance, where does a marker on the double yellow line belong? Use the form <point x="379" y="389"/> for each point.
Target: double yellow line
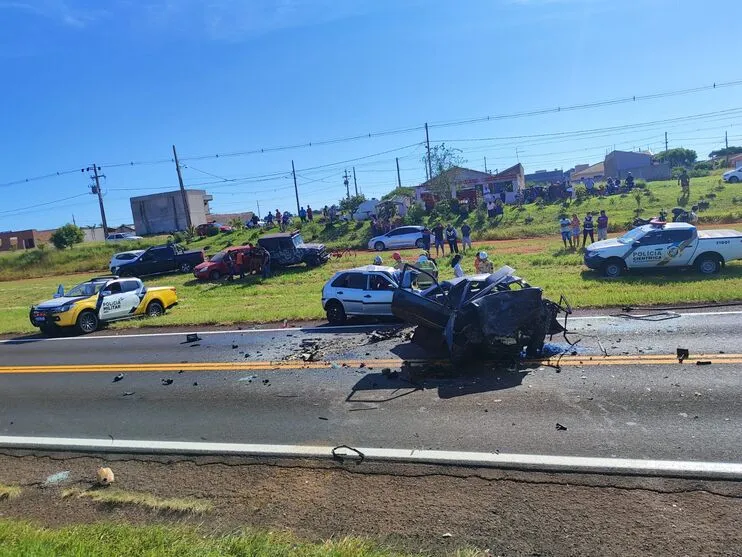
<point x="375" y="365"/>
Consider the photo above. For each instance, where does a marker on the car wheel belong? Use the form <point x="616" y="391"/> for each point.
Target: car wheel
<point x="186" y="267"/>
<point x="155" y="309"/>
<point x="335" y="312"/>
<point x="215" y="275"/>
<point x="708" y="264"/>
<point x="613" y="268"/>
<point x="87" y="322"/>
<point x="733" y="180"/>
<point x="419" y="243"/>
<point x="379" y="246"/>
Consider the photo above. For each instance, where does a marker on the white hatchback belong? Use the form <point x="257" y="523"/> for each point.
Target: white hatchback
<point x="401" y="237"/>
<point x="366" y="290"/>
<point x="733" y="176"/>
<point x="124" y="257"/>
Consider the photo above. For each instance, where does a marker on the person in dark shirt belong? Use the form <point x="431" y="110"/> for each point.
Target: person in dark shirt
<point x="588" y="229"/>
<point x="438" y="235"/>
<point x="465" y="236"/>
<point x="452" y="238"/>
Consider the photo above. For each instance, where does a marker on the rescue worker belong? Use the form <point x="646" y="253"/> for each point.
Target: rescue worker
<point x="424" y="264"/>
<point x="485" y="265"/>
<point x="398" y="263"/>
<point x="240" y="260"/>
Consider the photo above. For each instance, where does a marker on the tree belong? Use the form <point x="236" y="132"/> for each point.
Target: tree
<point x="67" y="236"/>
<point x="726" y="152"/>
<point x="677" y="157"/>
<point x="402" y="191"/>
<point x="442" y="159"/>
<point x="350" y="204"/>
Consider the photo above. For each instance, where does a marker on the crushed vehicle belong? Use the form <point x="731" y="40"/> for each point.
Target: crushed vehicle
<point x="288" y="248"/>
<point x="494" y="316"/>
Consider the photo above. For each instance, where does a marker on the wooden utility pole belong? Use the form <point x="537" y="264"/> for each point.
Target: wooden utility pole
<point x="96" y="189"/>
<point x="354" y="180"/>
<point x="183" y="192"/>
<point x="347" y="183"/>
<point x="296" y="188"/>
<point x="665" y="141"/>
<point x="485" y="165"/>
<point x="427" y="143"/>
<point x="399" y="178"/>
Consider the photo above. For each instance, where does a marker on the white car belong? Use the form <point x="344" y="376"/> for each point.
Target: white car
<point x="402" y="237"/>
<point x="364" y="290"/>
<point x="733" y="176"/>
<point x="122" y="258"/>
<point x="121" y="236"/>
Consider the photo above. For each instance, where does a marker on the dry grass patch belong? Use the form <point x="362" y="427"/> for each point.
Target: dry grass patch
<point x="9" y="491"/>
<point x="112" y="496"/>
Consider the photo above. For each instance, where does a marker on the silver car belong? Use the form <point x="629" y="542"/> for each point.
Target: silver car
<point x="402" y="237"/>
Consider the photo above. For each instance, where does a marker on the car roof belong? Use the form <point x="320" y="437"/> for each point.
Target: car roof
<point x="279" y="235"/>
<point x="416" y="226"/>
<point x="369" y="269"/>
<point x="669" y="226"/>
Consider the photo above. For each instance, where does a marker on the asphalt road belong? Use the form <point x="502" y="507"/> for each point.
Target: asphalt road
<point x="641" y="404"/>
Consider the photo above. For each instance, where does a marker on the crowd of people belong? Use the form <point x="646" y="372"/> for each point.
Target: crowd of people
<point x="252" y="260"/>
<point x="570" y="229"/>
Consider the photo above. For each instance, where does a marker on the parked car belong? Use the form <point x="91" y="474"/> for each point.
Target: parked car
<point x="732" y="176"/>
<point x="167" y="258"/>
<point x="101" y="300"/>
<point x="366" y="290"/>
<point x="122" y="236"/>
<point x="662" y="245"/>
<point x="217" y="265"/>
<point x="119" y="259"/>
<point x="401" y="237"/>
<point x="288" y="248"/>
<point x="212" y="229"/>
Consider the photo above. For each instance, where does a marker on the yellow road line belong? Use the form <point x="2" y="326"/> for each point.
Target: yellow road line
<point x="566" y="361"/>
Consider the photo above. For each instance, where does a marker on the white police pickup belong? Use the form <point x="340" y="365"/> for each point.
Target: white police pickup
<point x="659" y="245"/>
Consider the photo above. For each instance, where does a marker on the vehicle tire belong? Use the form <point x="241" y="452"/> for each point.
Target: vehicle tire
<point x="215" y="275"/>
<point x="379" y="246"/>
<point x="155" y="309"/>
<point x="708" y="264"/>
<point x="335" y="312"/>
<point x="733" y="180"/>
<point x="613" y="268"/>
<point x="87" y="322"/>
<point x="419" y="244"/>
<point x="186" y="267"/>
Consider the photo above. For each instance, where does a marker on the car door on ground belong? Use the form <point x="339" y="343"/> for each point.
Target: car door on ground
<point x="349" y="289"/>
<point x="377" y="298"/>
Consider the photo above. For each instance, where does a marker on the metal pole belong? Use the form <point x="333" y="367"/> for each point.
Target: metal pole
<point x="427" y="142"/>
<point x="296" y="189"/>
<point x="399" y="179"/>
<point x="183" y="192"/>
<point x="355" y="184"/>
<point x="100" y="200"/>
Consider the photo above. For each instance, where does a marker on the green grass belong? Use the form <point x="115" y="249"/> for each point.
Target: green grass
<point x="20" y="539"/>
<point x="9" y="491"/>
<point x="294" y="293"/>
<point x="113" y="496"/>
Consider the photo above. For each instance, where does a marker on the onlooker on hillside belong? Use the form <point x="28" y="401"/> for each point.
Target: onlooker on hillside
<point x="303" y="214"/>
<point x="590" y="185"/>
<point x="266" y="264"/>
<point x="240" y="260"/>
<point x="499" y="208"/>
<point x="269" y="220"/>
<point x="491" y="209"/>
<point x="693" y="216"/>
<point x="465" y="236"/>
<point x="426" y="238"/>
<point x="278" y="220"/>
<point x="629" y="181"/>
<point x="575" y="231"/>
<point x="684" y="182"/>
<point x="452" y="238"/>
<point x="285" y="220"/>
<point x="588" y="229"/>
<point x="310" y="214"/>
<point x="455" y="263"/>
<point x="438" y="234"/>
<point x="602" y="226"/>
<point x="564" y="225"/>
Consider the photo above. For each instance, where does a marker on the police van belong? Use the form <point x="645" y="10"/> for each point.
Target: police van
<point x="660" y="245"/>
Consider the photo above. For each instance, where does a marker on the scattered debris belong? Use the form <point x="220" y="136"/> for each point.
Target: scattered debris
<point x="105" y="476"/>
<point x="362" y="365"/>
<point x="128" y="393"/>
<point x="167" y="381"/>
<point x="57" y="478"/>
<point x="247" y="355"/>
<point x="235" y="347"/>
<point x="196" y="344"/>
<point x="384" y="334"/>
<point x="560" y="427"/>
<point x="192" y="337"/>
<point x="322" y="418"/>
<point x="703" y="362"/>
<point x="195" y="383"/>
<point x="682" y="414"/>
<point x="683" y="354"/>
<point x="447" y="535"/>
<point x="248" y="378"/>
<point x="386" y="371"/>
<point x="118" y="378"/>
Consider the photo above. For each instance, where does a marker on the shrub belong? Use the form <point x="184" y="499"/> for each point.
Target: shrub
<point x="67" y="236"/>
<point x="415" y="215"/>
<point x="580" y="192"/>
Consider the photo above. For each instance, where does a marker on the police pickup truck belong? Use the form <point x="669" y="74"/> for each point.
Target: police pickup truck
<point x="660" y="245"/>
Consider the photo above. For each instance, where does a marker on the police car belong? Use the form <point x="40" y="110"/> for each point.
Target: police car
<point x="660" y="245"/>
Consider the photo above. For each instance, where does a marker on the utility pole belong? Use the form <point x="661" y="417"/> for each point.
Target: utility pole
<point x="73" y="219"/>
<point x="665" y="141"/>
<point x="96" y="189"/>
<point x="347" y="184"/>
<point x="427" y="143"/>
<point x="258" y="208"/>
<point x="354" y="180"/>
<point x="296" y="189"/>
<point x="485" y="165"/>
<point x="182" y="191"/>
<point x="726" y="140"/>
<point x="399" y="178"/>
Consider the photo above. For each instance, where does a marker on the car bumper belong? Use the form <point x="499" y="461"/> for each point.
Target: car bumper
<point x="593" y="261"/>
<point x="45" y="318"/>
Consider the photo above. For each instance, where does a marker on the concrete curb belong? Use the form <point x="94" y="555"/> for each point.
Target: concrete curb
<point x="528" y="462"/>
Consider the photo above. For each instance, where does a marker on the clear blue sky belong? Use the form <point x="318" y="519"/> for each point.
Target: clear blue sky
<point x="109" y="82"/>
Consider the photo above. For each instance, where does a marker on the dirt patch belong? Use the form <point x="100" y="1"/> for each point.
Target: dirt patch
<point x="410" y="507"/>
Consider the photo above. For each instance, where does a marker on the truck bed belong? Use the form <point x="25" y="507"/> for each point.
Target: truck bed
<point x="719" y="234"/>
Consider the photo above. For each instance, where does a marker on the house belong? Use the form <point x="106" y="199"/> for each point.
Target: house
<point x="20" y="239"/>
<point x="473" y="186"/>
<point x="640" y="164"/>
<point x="583" y="172"/>
<point x="736" y="161"/>
<point x="96" y="234"/>
<point x="163" y="213"/>
<point x="545" y="177"/>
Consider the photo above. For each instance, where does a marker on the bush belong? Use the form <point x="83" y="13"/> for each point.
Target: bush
<point x="67" y="236"/>
<point x="415" y="215"/>
<point x="703" y="165"/>
<point x="580" y="192"/>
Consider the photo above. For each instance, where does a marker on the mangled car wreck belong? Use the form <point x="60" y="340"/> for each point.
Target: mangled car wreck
<point x="496" y="315"/>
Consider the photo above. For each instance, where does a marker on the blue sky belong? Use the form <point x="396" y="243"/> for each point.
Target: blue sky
<point x="122" y="81"/>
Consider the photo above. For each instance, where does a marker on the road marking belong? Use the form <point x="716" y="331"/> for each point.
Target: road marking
<point x="565" y="361"/>
<point x="530" y="462"/>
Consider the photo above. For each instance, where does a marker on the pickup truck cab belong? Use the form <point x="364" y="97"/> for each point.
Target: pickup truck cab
<point x="661" y="245"/>
<point x="288" y="248"/>
<point x="168" y="258"/>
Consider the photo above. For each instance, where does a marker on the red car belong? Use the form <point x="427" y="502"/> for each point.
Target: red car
<point x="212" y="229"/>
<point x="218" y="264"/>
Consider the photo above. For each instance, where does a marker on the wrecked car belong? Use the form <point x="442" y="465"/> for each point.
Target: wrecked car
<point x="496" y="315"/>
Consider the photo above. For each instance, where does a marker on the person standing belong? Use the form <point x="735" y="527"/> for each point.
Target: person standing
<point x="278" y="220"/>
<point x="285" y="220"/>
<point x="452" y="238"/>
<point x="424" y="264"/>
<point x="266" y="264"/>
<point x="491" y="209"/>
<point x="398" y="263"/>
<point x="426" y="239"/>
<point x="465" y="236"/>
<point x="602" y="226"/>
<point x="456" y="264"/>
<point x="310" y="214"/>
<point x="438" y="235"/>
<point x="684" y="181"/>
<point x="485" y="266"/>
<point x="587" y="229"/>
<point x="575" y="231"/>
<point x="240" y="259"/>
<point x="302" y="214"/>
<point x="564" y="225"/>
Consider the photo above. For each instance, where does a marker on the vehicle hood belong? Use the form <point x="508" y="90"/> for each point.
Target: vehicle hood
<point x="205" y="266"/>
<point x="318" y="247"/>
<point x="605" y="244"/>
<point x="58" y="302"/>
